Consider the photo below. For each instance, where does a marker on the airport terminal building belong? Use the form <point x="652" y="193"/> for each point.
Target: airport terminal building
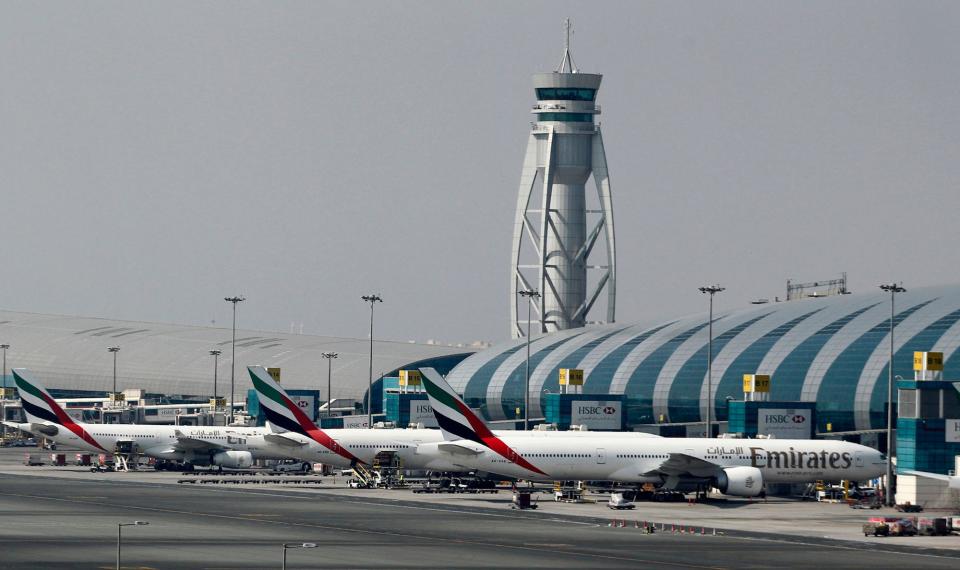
<point x="69" y="355"/>
<point x="833" y="351"/>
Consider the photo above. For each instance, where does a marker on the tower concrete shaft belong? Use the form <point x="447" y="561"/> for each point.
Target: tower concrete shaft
<point x="555" y="238"/>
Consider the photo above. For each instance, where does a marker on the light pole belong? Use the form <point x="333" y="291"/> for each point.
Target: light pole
<point x="893" y="289"/>
<point x="529" y="295"/>
<point x="216" y="396"/>
<point x="329" y="356"/>
<point x="287" y="545"/>
<point x="119" y="527"/>
<point x="3" y="400"/>
<point x="233" y="346"/>
<point x="113" y="395"/>
<point x="372" y="299"/>
<point x="710" y="290"/>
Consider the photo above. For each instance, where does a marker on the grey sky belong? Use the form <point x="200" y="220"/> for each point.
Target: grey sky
<point x="158" y="156"/>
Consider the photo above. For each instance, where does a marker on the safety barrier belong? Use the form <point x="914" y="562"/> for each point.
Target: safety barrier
<point x="673" y="528"/>
<point x="251" y="481"/>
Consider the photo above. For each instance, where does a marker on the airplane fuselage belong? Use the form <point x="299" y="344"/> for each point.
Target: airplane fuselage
<point x="164" y="442"/>
<point x="642" y="460"/>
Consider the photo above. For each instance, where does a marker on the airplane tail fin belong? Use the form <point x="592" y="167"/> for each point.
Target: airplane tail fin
<point x="276" y="404"/>
<point x="283" y="413"/>
<point x="43" y="411"/>
<point x="38" y="404"/>
<point x="455" y="418"/>
<point x="458" y="422"/>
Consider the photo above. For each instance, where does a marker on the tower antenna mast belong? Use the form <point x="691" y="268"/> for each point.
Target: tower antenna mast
<point x="567" y="62"/>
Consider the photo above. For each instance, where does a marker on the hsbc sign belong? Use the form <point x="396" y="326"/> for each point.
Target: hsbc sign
<point x="952" y="430"/>
<point x="785" y="423"/>
<point x="597" y="414"/>
<point x="305" y="403"/>
<point x="422" y="413"/>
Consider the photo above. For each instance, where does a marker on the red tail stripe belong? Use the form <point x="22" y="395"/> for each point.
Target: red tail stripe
<point x="494" y="442"/>
<point x="314" y="432"/>
<point x="68" y="422"/>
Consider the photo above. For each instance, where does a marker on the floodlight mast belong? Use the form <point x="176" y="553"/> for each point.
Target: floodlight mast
<point x="233" y="348"/>
<point x="372" y="299"/>
<point x="113" y="394"/>
<point x="530" y="296"/>
<point x="216" y="397"/>
<point x="710" y="290"/>
<point x="888" y="498"/>
<point x="329" y="356"/>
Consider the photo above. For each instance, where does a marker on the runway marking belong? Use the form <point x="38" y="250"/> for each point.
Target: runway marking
<point x="447" y="508"/>
<point x="352" y="499"/>
<point x="393" y="534"/>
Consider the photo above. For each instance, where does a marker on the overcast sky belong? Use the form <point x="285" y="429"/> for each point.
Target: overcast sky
<point x="155" y="157"/>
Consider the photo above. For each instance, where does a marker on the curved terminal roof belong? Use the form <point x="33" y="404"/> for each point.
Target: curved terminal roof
<point x="832" y="350"/>
<point x="70" y="353"/>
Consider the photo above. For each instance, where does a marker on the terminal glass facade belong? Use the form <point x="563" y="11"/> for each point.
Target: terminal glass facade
<point x="833" y="351"/>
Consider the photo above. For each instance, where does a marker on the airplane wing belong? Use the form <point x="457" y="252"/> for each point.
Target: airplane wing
<point x="953" y="481"/>
<point x="283" y="439"/>
<point x="680" y="464"/>
<point x="32" y="429"/>
<point x="43" y="429"/>
<point x="185" y="442"/>
<point x="461" y="447"/>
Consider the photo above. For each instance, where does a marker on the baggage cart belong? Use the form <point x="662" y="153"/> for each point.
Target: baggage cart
<point x="876" y="529"/>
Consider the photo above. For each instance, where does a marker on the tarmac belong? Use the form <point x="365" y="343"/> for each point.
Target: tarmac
<point x="67" y="517"/>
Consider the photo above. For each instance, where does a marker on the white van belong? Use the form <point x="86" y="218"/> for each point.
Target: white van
<point x="292" y="466"/>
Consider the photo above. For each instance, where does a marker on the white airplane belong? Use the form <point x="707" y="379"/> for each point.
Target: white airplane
<point x="225" y="447"/>
<point x="738" y="467"/>
<point x="295" y="435"/>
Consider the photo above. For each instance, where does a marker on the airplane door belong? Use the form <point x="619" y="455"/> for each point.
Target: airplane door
<point x="601" y="456"/>
<point x="858" y="458"/>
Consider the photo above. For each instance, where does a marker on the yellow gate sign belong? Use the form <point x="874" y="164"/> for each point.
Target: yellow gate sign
<point x="756" y="383"/>
<point x="410" y="378"/>
<point x="928" y="361"/>
<point x="571" y="377"/>
<point x="274" y="373"/>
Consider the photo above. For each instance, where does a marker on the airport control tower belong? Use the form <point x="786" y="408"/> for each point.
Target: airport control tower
<point x="563" y="241"/>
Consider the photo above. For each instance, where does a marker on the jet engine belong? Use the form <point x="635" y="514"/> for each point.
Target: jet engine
<point x="233" y="459"/>
<point x="740" y="481"/>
